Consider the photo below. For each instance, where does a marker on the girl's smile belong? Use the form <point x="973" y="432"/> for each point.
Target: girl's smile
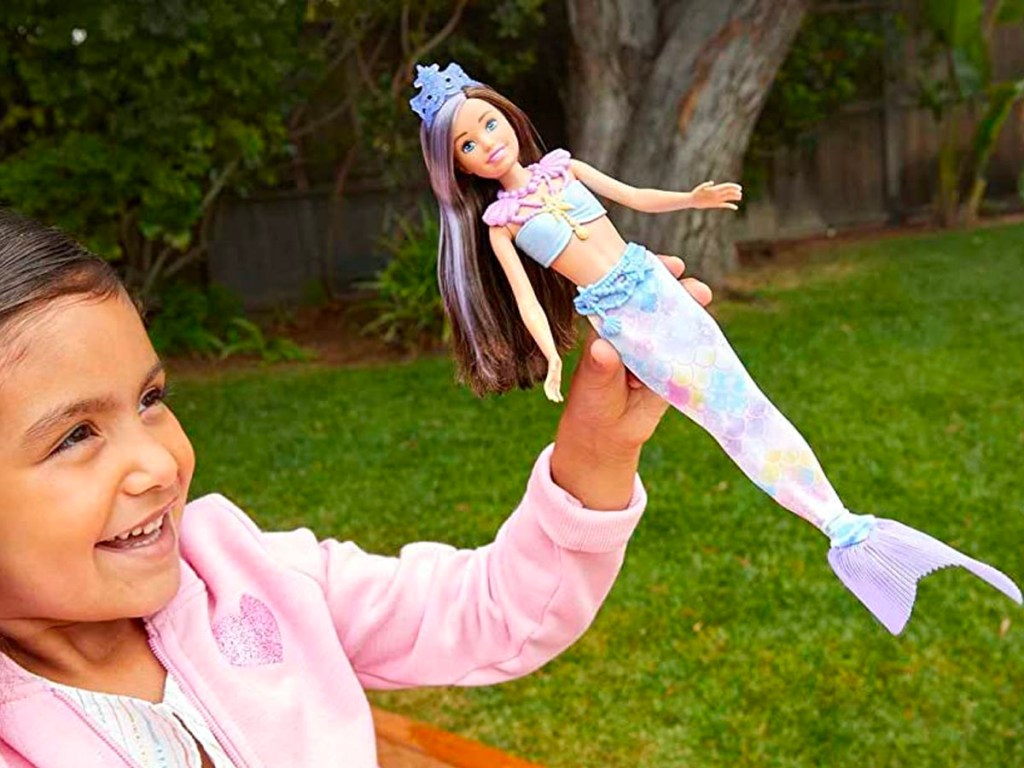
<point x="154" y="538"/>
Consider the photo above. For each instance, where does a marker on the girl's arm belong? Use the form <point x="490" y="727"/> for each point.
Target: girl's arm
<point x="530" y="310"/>
<point x="436" y="615"/>
<point x="706" y="195"/>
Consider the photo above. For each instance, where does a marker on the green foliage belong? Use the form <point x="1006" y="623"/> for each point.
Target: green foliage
<point x="835" y="59"/>
<point x="1001" y="98"/>
<point x="371" y="50"/>
<point x="1009" y="11"/>
<point x="245" y="337"/>
<point x="510" y="27"/>
<point x="408" y="304"/>
<point x="121" y="122"/>
<point x="187" y="320"/>
<point x="955" y="59"/>
<point x="956" y="76"/>
<point x="955" y="27"/>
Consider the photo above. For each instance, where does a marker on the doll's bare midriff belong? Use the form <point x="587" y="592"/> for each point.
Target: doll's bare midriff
<point x="584" y="262"/>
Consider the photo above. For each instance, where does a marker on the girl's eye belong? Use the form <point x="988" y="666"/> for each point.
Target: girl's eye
<point x="491" y="124"/>
<point x="468" y="147"/>
<point x="77" y="435"/>
<point x="81" y="433"/>
<point x="153" y="397"/>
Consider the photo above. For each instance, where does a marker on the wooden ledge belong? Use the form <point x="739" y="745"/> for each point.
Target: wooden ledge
<point x="406" y="743"/>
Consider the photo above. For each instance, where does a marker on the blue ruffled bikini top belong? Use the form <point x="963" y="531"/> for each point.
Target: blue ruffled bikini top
<point x="549" y="221"/>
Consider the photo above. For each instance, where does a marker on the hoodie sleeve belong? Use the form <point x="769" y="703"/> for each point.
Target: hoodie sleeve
<point x="436" y="615"/>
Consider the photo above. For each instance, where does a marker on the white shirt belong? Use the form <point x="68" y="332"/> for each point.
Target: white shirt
<point x="159" y="735"/>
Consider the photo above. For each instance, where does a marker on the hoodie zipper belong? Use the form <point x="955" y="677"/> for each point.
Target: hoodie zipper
<point x="212" y="724"/>
<point x="114" y="747"/>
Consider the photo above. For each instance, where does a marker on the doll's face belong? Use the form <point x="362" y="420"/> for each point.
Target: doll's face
<point x="483" y="141"/>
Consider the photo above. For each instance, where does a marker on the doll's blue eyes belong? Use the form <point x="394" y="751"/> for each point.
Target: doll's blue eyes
<point x="490" y="126"/>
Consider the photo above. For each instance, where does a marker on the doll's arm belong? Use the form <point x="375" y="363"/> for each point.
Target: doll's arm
<point x="530" y="310"/>
<point x="706" y="195"/>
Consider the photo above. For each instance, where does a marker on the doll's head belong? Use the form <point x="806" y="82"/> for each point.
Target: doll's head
<point x="493" y="350"/>
<point x="88" y="449"/>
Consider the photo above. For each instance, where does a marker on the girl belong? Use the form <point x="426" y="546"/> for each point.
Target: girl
<point x="138" y="630"/>
<point x="475" y="144"/>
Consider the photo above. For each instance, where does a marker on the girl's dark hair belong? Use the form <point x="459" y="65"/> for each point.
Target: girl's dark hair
<point x="494" y="352"/>
<point x="39" y="264"/>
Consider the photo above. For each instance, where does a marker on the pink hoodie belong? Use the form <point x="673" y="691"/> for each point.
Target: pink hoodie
<point x="275" y="636"/>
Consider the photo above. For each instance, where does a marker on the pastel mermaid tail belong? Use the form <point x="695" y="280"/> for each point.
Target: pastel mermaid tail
<point x="677" y="349"/>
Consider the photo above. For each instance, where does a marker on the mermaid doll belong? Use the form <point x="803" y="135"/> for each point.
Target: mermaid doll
<point x="512" y="318"/>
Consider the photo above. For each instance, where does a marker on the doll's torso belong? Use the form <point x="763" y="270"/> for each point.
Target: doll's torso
<point x="558" y="222"/>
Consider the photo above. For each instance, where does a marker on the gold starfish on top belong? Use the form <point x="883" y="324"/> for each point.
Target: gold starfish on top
<point x="556" y="206"/>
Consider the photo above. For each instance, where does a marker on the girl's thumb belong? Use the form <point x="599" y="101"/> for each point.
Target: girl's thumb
<point x="603" y="364"/>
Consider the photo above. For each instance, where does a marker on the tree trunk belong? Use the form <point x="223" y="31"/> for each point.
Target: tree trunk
<point x="665" y="94"/>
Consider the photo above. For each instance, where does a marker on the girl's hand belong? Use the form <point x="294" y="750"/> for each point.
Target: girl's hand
<point x="553" y="382"/>
<point x="608" y="416"/>
<point x="711" y="195"/>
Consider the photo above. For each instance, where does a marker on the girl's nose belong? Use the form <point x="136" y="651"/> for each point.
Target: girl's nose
<point x="152" y="465"/>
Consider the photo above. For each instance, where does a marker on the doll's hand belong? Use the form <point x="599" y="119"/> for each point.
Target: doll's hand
<point x="553" y="382"/>
<point x="607" y="418"/>
<point x="711" y="195"/>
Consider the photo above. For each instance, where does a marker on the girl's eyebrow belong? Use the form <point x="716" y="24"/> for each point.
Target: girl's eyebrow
<point x="61" y="413"/>
<point x="485" y="114"/>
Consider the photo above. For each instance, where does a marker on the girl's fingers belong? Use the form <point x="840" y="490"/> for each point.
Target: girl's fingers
<point x="675" y="265"/>
<point x="700" y="291"/>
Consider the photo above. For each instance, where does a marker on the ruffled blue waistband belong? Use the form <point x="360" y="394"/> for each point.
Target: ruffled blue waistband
<point x="615" y="288"/>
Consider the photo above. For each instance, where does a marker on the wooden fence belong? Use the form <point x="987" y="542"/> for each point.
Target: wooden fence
<point x="876" y="162"/>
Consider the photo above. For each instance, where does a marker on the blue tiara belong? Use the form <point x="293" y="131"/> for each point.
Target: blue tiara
<point x="436" y="87"/>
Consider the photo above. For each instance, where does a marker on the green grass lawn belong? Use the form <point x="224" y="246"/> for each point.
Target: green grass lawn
<point x="727" y="640"/>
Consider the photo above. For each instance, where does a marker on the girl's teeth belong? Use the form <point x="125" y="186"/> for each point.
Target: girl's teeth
<point x="145" y="529"/>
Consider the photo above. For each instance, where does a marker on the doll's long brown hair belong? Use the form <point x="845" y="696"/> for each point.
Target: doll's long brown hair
<point x="494" y="352"/>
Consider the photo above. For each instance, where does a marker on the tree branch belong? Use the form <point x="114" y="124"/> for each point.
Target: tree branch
<point x="324" y="119"/>
<point x="153" y="273"/>
<point x="405" y="29"/>
<point x="192" y="255"/>
<point x="218" y="185"/>
<point x="365" y="66"/>
<point x="403" y="76"/>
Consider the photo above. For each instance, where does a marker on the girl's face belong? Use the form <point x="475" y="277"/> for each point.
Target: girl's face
<point x="483" y="140"/>
<point x="88" y="452"/>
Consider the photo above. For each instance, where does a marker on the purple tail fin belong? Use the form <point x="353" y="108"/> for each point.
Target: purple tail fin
<point x="883" y="570"/>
